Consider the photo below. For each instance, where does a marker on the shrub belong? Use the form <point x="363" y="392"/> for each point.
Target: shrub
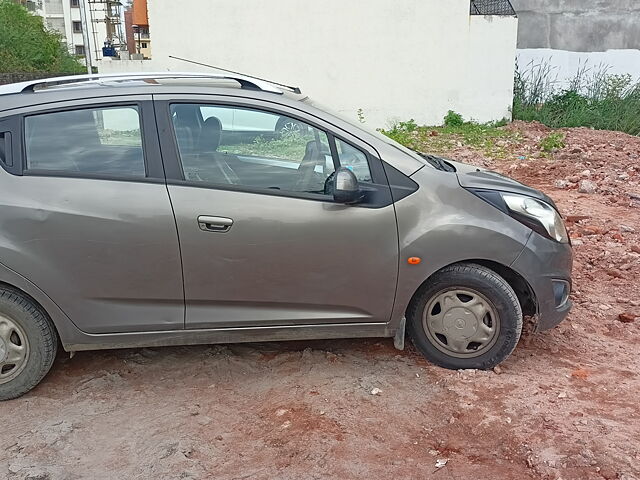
<point x="453" y="119"/>
<point x="27" y="46"/>
<point x="593" y="98"/>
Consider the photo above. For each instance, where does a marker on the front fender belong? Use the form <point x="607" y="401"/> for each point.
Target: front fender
<point x="442" y="224"/>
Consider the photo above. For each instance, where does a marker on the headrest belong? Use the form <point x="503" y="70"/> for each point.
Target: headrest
<point x="210" y="135"/>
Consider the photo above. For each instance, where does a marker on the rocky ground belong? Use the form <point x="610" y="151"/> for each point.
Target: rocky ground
<point x="565" y="405"/>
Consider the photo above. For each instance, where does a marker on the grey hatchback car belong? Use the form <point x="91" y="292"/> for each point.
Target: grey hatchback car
<point x="130" y="217"/>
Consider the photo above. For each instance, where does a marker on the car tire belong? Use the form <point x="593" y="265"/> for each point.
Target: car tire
<point x="466" y="316"/>
<point x="28" y="344"/>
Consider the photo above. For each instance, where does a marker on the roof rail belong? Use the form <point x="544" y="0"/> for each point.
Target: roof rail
<point x="243" y="80"/>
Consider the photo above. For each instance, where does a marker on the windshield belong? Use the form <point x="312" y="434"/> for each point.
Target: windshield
<point x="367" y="129"/>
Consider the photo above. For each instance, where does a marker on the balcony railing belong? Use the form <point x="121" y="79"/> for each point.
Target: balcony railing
<point x="492" y="7"/>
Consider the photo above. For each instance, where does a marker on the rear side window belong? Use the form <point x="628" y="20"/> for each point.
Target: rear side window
<point x="95" y="141"/>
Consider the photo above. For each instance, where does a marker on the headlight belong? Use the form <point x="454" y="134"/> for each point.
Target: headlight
<point x="534" y="213"/>
<point x="537" y="214"/>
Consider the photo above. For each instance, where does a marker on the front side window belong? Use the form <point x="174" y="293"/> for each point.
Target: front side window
<point x="252" y="148"/>
<point x="92" y="141"/>
<point x="77" y="27"/>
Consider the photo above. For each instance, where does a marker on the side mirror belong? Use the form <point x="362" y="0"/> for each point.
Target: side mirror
<point x="346" y="188"/>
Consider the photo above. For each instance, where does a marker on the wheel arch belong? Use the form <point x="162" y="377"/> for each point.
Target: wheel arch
<point x="524" y="292"/>
<point x="31" y="298"/>
<point x="61" y="323"/>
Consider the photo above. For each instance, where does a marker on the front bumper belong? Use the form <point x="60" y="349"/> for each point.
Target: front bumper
<point x="544" y="263"/>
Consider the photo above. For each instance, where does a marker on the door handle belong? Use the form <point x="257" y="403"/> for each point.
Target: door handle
<point x="214" y="224"/>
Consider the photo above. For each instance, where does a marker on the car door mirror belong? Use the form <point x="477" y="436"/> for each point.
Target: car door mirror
<point x="346" y="188"/>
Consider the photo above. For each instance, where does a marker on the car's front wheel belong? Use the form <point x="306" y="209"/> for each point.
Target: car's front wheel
<point x="466" y="316"/>
<point x="28" y="344"/>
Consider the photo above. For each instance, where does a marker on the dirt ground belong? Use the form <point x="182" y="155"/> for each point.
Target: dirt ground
<point x="565" y="405"/>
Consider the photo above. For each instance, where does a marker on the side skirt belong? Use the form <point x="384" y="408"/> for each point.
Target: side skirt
<point x="227" y="335"/>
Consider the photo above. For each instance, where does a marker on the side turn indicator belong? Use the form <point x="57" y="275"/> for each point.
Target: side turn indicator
<point x="414" y="260"/>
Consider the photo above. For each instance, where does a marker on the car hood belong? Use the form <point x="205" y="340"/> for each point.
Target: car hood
<point x="470" y="176"/>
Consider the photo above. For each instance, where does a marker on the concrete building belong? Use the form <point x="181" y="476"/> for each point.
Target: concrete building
<point x="137" y="29"/>
<point x="572" y="33"/>
<point x="389" y="61"/>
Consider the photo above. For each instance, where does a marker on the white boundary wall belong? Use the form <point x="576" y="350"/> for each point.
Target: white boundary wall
<point x="391" y="60"/>
<point x="566" y="64"/>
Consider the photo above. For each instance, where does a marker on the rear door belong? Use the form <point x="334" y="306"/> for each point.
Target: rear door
<point x="262" y="242"/>
<point x="85" y="215"/>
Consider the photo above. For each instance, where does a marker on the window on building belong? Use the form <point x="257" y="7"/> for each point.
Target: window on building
<point x="92" y="141"/>
<point x="79" y="50"/>
<point x="75" y="3"/>
<point x="77" y="27"/>
<point x="144" y="44"/>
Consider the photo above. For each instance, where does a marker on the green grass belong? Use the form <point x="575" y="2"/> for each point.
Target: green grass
<point x="593" y="98"/>
<point x="552" y="142"/>
<point x="490" y="139"/>
<point x="290" y="147"/>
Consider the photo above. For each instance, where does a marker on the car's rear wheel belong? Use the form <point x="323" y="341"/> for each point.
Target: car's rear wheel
<point x="28" y="344"/>
<point x="466" y="316"/>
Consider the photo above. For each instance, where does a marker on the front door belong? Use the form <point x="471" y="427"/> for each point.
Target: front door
<point x="263" y="243"/>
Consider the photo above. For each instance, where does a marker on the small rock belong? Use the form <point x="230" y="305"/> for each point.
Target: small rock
<point x="575" y="150"/>
<point x="573" y="179"/>
<point x="626" y="317"/>
<point x="627" y="229"/>
<point x="14" y="468"/>
<point x="562" y="395"/>
<point x="605" y="307"/>
<point x="612" y="272"/>
<point x="622" y="300"/>
<point x="561" y="184"/>
<point x="376" y="391"/>
<point x="635" y="248"/>
<point x="576" y="218"/>
<point x="635" y="303"/>
<point x="441" y="462"/>
<point x="587" y="186"/>
<point x="497" y="370"/>
<point x="204" y="420"/>
<point x="280" y="412"/>
<point x="585" y="173"/>
<point x="608" y="473"/>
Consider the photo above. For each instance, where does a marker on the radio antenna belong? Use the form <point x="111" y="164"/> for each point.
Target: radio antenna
<point x="293" y="89"/>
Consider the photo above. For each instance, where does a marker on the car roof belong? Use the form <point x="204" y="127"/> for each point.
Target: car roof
<point x="56" y="89"/>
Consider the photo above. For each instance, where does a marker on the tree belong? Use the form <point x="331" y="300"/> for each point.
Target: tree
<point x="27" y="46"/>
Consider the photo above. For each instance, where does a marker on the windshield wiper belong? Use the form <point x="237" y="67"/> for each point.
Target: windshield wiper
<point x="437" y="162"/>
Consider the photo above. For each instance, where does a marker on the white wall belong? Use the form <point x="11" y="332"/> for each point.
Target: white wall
<point x="395" y="61"/>
<point x="566" y="64"/>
